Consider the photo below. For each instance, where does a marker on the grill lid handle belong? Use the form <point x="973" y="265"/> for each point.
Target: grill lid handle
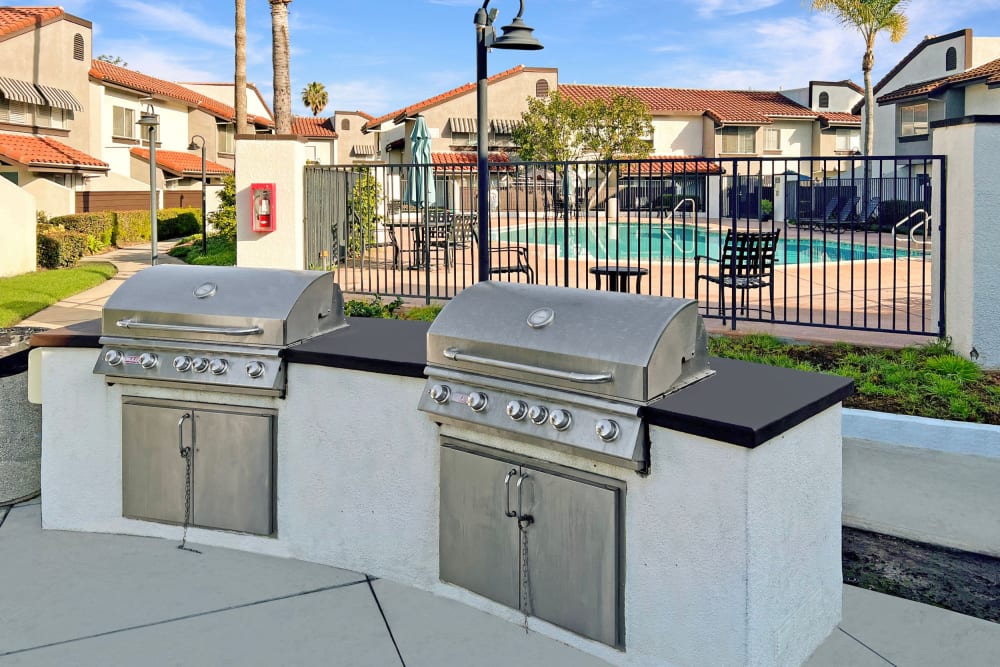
<point x="188" y="328"/>
<point x="581" y="378"/>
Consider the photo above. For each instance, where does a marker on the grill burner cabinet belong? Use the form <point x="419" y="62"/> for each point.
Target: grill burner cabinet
<point x="566" y="368"/>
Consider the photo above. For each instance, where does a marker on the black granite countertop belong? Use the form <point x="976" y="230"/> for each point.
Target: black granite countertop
<point x="742" y="403"/>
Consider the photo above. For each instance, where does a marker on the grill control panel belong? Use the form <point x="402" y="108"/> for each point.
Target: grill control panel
<point x="610" y="430"/>
<point x="218" y="369"/>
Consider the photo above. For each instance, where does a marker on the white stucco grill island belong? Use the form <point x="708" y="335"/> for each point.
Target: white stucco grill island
<point x="731" y="542"/>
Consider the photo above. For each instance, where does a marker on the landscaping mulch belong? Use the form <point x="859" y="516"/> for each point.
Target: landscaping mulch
<point x="960" y="581"/>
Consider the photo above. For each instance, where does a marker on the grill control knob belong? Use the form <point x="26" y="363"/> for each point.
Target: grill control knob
<point x="114" y="357"/>
<point x="478" y="401"/>
<point x="255" y="369"/>
<point x="608" y="430"/>
<point x="199" y="365"/>
<point x="218" y="366"/>
<point x="148" y="360"/>
<point x="538" y="414"/>
<point x="517" y="410"/>
<point x="182" y="363"/>
<point x="440" y="393"/>
<point x="560" y="419"/>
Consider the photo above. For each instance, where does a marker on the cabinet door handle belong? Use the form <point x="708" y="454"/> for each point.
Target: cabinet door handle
<point x="180" y="434"/>
<point x="506" y="489"/>
<point x="527" y="518"/>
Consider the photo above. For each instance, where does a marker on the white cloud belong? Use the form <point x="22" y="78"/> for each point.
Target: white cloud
<point x="371" y="96"/>
<point x="712" y="8"/>
<point x="168" y="17"/>
<point x="169" y="64"/>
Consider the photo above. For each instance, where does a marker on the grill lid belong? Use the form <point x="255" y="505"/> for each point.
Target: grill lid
<point x="624" y="346"/>
<point x="236" y="305"/>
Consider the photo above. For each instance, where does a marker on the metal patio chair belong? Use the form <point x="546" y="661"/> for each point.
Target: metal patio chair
<point x="747" y="263"/>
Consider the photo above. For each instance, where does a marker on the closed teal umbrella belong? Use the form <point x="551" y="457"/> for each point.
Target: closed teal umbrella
<point x="420" y="184"/>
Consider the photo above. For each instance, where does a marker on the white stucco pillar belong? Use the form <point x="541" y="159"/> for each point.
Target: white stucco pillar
<point x="972" y="244"/>
<point x="17" y="230"/>
<point x="279" y="160"/>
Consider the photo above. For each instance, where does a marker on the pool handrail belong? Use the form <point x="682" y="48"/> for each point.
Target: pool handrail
<point x="694" y="205"/>
<point x="914" y="228"/>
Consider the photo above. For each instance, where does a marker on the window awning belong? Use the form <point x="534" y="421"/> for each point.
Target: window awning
<point x="466" y="125"/>
<point x="364" y="149"/>
<point x="21" y="91"/>
<point x="59" y="98"/>
<point x="504" y="125"/>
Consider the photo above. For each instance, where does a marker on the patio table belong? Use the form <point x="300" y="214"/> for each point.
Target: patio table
<point x="417" y="236"/>
<point x="618" y="276"/>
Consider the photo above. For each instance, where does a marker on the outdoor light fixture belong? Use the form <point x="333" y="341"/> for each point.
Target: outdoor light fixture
<point x="150" y="120"/>
<point x="516" y="36"/>
<point x="193" y="146"/>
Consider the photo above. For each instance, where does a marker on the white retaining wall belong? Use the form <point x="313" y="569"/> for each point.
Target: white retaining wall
<point x="17" y="230"/>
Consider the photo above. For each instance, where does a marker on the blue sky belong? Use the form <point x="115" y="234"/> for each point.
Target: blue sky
<point x="378" y="56"/>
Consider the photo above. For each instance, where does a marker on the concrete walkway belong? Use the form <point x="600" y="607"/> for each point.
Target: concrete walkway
<point x="87" y="599"/>
<point x="87" y="305"/>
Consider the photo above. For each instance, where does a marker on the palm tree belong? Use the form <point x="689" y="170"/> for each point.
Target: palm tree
<point x="240" y="93"/>
<point x="314" y="96"/>
<point x="869" y="17"/>
<point x="279" y="61"/>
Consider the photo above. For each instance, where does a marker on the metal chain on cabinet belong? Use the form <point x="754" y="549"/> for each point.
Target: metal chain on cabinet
<point x="187" y="455"/>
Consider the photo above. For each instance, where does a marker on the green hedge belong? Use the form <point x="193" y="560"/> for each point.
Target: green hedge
<point x="173" y="223"/>
<point x="60" y="248"/>
<point x="132" y="227"/>
<point x="98" y="228"/>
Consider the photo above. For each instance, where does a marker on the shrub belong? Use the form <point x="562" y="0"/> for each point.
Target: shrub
<point x="131" y="227"/>
<point x="41" y="218"/>
<point x="223" y="219"/>
<point x="373" y="308"/>
<point x="60" y="248"/>
<point x="894" y="210"/>
<point x="98" y="228"/>
<point x="423" y="313"/>
<point x="172" y="223"/>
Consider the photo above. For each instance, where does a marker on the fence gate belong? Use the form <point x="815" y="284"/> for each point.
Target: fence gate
<point x="326" y="216"/>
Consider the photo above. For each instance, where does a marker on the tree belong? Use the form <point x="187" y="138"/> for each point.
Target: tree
<point x="557" y="129"/>
<point x="314" y="96"/>
<point x="114" y="60"/>
<point x="240" y="91"/>
<point x="869" y="17"/>
<point x="279" y="62"/>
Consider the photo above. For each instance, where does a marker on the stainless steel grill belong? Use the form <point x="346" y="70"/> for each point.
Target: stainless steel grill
<point x="566" y="368"/>
<point x="215" y="328"/>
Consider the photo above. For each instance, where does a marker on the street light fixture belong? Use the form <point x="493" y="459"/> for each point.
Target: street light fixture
<point x="150" y="120"/>
<point x="516" y="36"/>
<point x="193" y="146"/>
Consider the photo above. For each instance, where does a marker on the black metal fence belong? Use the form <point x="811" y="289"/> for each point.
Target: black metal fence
<point x="842" y="242"/>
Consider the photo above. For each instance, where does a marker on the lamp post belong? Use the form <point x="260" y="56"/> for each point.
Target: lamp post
<point x="516" y="36"/>
<point x="204" y="222"/>
<point x="150" y="120"/>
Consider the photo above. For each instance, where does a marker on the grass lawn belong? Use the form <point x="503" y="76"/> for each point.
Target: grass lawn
<point x="221" y="251"/>
<point x="926" y="380"/>
<point x="28" y="293"/>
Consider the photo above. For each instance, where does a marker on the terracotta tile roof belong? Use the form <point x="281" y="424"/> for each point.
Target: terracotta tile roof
<point x="13" y="19"/>
<point x="839" y="118"/>
<point x="34" y="151"/>
<point x="184" y="164"/>
<point x="664" y="165"/>
<point x="144" y="83"/>
<point x="988" y="73"/>
<point x="437" y="99"/>
<point x="310" y="126"/>
<point x="723" y="106"/>
<point x="466" y="158"/>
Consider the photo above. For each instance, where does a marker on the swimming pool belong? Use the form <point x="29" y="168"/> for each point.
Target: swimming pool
<point x="655" y="243"/>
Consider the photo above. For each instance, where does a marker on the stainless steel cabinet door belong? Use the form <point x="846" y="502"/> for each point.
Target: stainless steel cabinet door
<point x="478" y="543"/>
<point x="233" y="478"/>
<point x="573" y="554"/>
<point x="152" y="467"/>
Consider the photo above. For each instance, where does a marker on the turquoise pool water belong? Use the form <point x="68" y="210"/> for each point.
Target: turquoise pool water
<point x="652" y="243"/>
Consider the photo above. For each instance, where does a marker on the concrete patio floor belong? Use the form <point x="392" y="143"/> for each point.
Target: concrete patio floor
<point x="91" y="599"/>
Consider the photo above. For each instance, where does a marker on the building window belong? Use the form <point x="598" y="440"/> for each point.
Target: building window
<point x="78" y="53"/>
<point x="739" y="140"/>
<point x="913" y="120"/>
<point x="227" y="138"/>
<point x="345" y="125"/>
<point x="541" y="88"/>
<point x="772" y="139"/>
<point x="10" y="176"/>
<point x="951" y="59"/>
<point x="824" y="100"/>
<point x="848" y="139"/>
<point x="12" y="111"/>
<point x="124" y="123"/>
